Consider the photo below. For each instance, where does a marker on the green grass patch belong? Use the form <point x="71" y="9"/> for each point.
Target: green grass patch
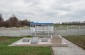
<point x="79" y="40"/>
<point x="21" y="50"/>
<point x="4" y="41"/>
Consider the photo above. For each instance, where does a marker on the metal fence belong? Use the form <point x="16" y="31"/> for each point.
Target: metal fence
<point x="24" y="31"/>
<point x="70" y="30"/>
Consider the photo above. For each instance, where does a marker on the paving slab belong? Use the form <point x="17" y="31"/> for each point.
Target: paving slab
<point x="72" y="49"/>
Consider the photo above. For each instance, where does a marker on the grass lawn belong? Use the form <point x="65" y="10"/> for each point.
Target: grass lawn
<point x="4" y="41"/>
<point x="79" y="40"/>
<point x="21" y="50"/>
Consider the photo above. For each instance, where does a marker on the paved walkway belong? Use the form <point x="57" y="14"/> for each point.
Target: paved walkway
<point x="72" y="49"/>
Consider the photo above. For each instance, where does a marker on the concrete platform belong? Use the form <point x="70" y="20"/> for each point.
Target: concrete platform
<point x="54" y="41"/>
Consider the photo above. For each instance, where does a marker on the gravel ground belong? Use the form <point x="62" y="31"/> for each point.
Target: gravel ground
<point x="72" y="49"/>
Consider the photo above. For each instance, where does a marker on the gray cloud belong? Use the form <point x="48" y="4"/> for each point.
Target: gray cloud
<point x="44" y="10"/>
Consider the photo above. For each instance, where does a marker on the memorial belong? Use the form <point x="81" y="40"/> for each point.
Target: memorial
<point x="42" y="35"/>
<point x="34" y="40"/>
<point x="37" y="41"/>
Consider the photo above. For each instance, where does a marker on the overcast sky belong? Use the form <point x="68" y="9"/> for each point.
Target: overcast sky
<point x="44" y="10"/>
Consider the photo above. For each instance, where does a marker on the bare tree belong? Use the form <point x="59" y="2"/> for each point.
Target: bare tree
<point x="13" y="21"/>
<point x="24" y="23"/>
<point x="1" y="21"/>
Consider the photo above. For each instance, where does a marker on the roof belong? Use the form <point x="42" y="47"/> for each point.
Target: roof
<point x="50" y="24"/>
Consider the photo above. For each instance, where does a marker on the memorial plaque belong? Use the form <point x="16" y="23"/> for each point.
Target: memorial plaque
<point x="44" y="40"/>
<point x="34" y="40"/>
<point x="25" y="40"/>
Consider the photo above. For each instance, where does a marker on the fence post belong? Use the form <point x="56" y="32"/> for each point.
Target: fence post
<point x="67" y="31"/>
<point x="55" y="30"/>
<point x="35" y="30"/>
<point x="79" y="30"/>
<point x="48" y="30"/>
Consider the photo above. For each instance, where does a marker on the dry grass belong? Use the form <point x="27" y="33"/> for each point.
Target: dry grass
<point x="79" y="40"/>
